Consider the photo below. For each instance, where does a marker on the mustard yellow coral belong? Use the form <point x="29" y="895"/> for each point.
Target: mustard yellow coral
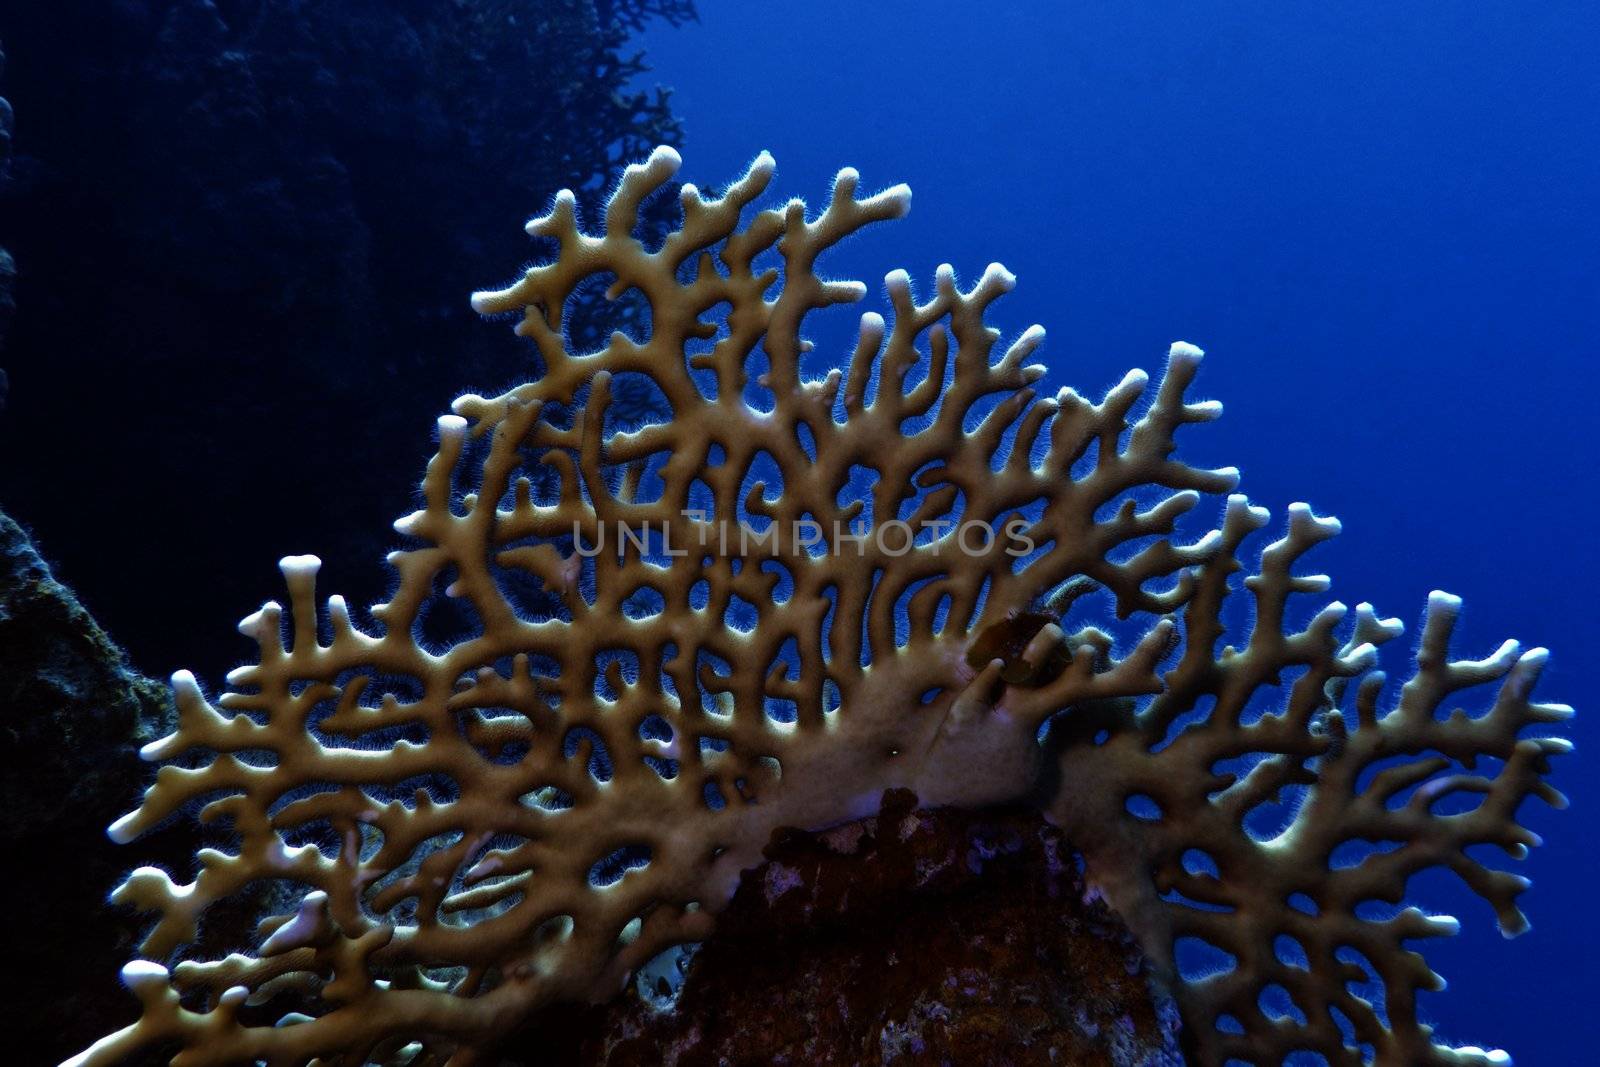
<point x="628" y="704"/>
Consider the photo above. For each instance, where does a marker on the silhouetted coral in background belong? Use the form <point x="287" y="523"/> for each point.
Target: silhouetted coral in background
<point x="8" y="266"/>
<point x="222" y="209"/>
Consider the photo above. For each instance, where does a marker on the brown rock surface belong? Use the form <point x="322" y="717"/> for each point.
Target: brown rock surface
<point x="916" y="937"/>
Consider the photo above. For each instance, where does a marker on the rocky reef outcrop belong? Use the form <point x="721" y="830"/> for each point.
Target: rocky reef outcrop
<point x="912" y="937"/>
<point x="8" y="266"/>
<point x="72" y="718"/>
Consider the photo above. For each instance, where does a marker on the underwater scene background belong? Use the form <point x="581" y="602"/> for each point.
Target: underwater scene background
<point x="242" y="235"/>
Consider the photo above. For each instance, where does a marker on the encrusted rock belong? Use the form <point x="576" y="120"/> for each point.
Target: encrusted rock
<point x="913" y="937"/>
<point x="73" y="716"/>
<point x="72" y="712"/>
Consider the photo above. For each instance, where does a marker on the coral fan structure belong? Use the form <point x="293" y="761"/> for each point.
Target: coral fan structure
<point x="763" y="610"/>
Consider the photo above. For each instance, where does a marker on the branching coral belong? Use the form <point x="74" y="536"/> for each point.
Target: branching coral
<point x="1278" y="811"/>
<point x="672" y="640"/>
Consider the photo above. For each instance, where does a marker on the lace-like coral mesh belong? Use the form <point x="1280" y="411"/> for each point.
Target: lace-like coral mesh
<point x="546" y="760"/>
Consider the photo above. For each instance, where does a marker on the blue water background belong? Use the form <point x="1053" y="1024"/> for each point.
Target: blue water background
<point x="1381" y="220"/>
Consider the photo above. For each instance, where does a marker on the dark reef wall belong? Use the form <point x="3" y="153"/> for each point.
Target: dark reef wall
<point x="72" y="717"/>
<point x="8" y="266"/>
<point x="236" y="244"/>
<point x="244" y="234"/>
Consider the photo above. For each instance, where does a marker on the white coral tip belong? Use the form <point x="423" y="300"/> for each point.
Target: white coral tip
<point x="898" y="282"/>
<point x="136" y="973"/>
<point x="1362" y="656"/>
<point x="1506" y="654"/>
<point x="299" y="566"/>
<point x="763" y="164"/>
<point x="1300" y="511"/>
<point x="666" y="158"/>
<point x="1439" y="600"/>
<point x="566" y="203"/>
<point x="996" y="274"/>
<point x="1231" y="474"/>
<point x="158" y="749"/>
<point x="466" y="400"/>
<point x="122" y="830"/>
<point x="899" y="196"/>
<point x="184" y="684"/>
<point x="483" y="300"/>
<point x="250" y="625"/>
<point x="452" y="426"/>
<point x="1184" y="352"/>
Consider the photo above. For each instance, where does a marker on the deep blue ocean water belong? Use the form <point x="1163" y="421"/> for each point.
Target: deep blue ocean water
<point x="1379" y="219"/>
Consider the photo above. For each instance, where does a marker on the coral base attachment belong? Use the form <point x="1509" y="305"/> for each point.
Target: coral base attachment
<point x="914" y="937"/>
